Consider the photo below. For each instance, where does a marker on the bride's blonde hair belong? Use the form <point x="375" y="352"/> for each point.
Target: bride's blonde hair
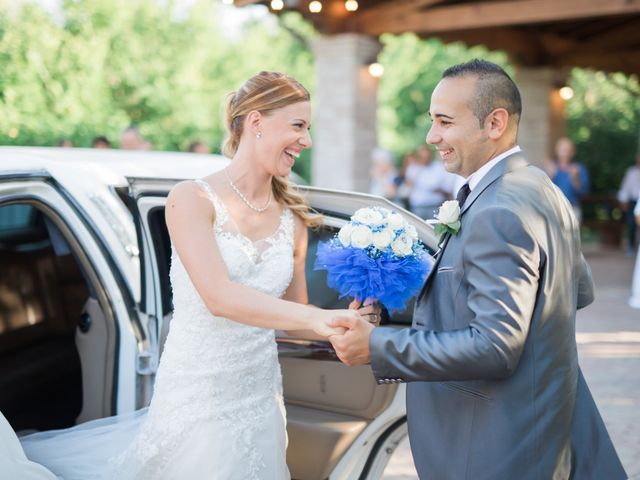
<point x="263" y="93"/>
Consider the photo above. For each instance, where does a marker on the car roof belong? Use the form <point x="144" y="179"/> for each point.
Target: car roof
<point x="114" y="166"/>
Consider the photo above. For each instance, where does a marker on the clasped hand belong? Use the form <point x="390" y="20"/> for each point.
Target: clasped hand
<point x="352" y="344"/>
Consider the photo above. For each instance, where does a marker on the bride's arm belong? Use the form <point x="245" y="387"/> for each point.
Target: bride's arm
<point x="297" y="291"/>
<point x="190" y="216"/>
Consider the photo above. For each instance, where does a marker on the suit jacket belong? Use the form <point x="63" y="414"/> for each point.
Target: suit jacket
<point x="496" y="391"/>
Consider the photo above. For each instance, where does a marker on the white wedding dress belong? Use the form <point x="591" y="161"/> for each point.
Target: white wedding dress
<point x="217" y="411"/>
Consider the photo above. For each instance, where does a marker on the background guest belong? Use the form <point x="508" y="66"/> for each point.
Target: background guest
<point x="100" y="142"/>
<point x="402" y="189"/>
<point x="198" y="147"/>
<point x="131" y="139"/>
<point x="430" y="184"/>
<point x="628" y="198"/>
<point x="571" y="177"/>
<point x="383" y="174"/>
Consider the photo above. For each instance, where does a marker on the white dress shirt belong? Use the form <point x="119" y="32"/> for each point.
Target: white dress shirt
<point x="630" y="189"/>
<point x="474" y="179"/>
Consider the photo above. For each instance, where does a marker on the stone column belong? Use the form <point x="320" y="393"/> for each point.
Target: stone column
<point x="344" y="132"/>
<point x="542" y="121"/>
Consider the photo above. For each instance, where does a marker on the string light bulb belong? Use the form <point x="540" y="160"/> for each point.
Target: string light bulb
<point x="351" y="5"/>
<point x="566" y="93"/>
<point x="277" y="4"/>
<point x="315" y="6"/>
<point x="376" y="70"/>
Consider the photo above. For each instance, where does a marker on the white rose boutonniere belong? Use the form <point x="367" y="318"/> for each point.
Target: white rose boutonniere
<point x="448" y="218"/>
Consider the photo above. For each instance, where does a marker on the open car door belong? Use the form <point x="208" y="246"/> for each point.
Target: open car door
<point x="145" y="199"/>
<point x="341" y="424"/>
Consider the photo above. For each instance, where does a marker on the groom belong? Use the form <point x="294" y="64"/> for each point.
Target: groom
<point x="495" y="390"/>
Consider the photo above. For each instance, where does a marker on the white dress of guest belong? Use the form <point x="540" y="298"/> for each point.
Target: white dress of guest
<point x="634" y="301"/>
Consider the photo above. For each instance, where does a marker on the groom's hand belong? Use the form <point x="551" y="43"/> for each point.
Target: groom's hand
<point x="371" y="312"/>
<point x="353" y="346"/>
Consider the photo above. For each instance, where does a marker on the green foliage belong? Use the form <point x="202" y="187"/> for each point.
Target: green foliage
<point x="104" y="65"/>
<point x="413" y="67"/>
<point x="99" y="66"/>
<point x="603" y="119"/>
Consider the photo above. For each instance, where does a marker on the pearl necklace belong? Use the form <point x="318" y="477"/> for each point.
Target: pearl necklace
<point x="244" y="199"/>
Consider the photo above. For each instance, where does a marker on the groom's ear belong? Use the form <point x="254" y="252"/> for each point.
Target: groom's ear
<point x="497" y="122"/>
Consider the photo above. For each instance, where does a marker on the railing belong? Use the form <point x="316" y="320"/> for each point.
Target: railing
<point x="602" y="217"/>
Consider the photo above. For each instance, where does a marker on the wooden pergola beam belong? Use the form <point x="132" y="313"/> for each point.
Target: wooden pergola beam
<point x="390" y="10"/>
<point x="628" y="61"/>
<point x="490" y="14"/>
<point x="526" y="48"/>
<point x="613" y="38"/>
<point x="244" y="3"/>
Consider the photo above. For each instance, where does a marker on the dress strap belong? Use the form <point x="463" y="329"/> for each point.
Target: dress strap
<point x="221" y="212"/>
<point x="288" y="223"/>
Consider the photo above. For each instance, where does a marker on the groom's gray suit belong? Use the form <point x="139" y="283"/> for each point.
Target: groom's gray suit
<point x="496" y="391"/>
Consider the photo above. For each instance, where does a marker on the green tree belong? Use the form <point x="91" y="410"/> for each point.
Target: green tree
<point x="603" y="118"/>
<point x="413" y="67"/>
<point x="104" y="65"/>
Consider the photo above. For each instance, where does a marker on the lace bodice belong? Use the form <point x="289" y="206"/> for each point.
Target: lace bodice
<point x="214" y="369"/>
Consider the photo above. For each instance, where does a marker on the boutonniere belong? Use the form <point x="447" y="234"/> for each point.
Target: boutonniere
<point x="448" y="218"/>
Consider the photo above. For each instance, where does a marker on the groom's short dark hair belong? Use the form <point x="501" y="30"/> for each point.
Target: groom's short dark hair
<point x="494" y="89"/>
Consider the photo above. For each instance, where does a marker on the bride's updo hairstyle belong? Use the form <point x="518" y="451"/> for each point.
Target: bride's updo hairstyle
<point x="265" y="92"/>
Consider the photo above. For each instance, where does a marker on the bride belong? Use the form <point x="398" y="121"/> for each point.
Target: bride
<point x="239" y="242"/>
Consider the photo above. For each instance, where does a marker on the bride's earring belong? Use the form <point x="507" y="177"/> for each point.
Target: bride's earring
<point x="259" y="135"/>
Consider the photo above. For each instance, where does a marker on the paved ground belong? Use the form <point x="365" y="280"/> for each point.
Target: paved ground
<point x="609" y="347"/>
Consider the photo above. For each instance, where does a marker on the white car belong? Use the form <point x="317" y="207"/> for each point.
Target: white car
<point x="85" y="304"/>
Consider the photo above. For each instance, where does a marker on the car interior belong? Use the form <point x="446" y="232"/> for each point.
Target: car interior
<point x="51" y="374"/>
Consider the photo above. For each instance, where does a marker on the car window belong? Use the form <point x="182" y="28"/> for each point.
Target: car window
<point x="22" y="228"/>
<point x="15" y="217"/>
<point x="323" y="296"/>
<point x="162" y="246"/>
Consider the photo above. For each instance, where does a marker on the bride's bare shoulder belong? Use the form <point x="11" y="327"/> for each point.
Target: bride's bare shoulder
<point x="187" y="191"/>
<point x="189" y="197"/>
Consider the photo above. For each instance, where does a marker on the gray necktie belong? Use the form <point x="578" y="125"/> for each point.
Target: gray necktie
<point x="463" y="193"/>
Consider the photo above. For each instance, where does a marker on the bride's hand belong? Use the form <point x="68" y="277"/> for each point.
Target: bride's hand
<point x="321" y="326"/>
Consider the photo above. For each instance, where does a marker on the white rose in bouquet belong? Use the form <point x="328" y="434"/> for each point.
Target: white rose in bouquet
<point x="344" y="235"/>
<point x="402" y="246"/>
<point x="382" y="239"/>
<point x="395" y="221"/>
<point x="412" y="232"/>
<point x="368" y="216"/>
<point x="361" y="236"/>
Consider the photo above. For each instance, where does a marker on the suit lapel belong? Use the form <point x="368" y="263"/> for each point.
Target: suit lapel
<point x="509" y="164"/>
<point x="438" y="255"/>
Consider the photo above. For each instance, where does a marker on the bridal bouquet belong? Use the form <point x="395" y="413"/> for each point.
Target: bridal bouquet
<point x="376" y="255"/>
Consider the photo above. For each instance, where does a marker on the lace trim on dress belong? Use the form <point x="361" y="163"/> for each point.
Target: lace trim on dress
<point x="256" y="250"/>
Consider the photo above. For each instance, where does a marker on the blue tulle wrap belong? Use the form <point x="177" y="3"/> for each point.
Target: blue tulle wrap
<point x="390" y="279"/>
